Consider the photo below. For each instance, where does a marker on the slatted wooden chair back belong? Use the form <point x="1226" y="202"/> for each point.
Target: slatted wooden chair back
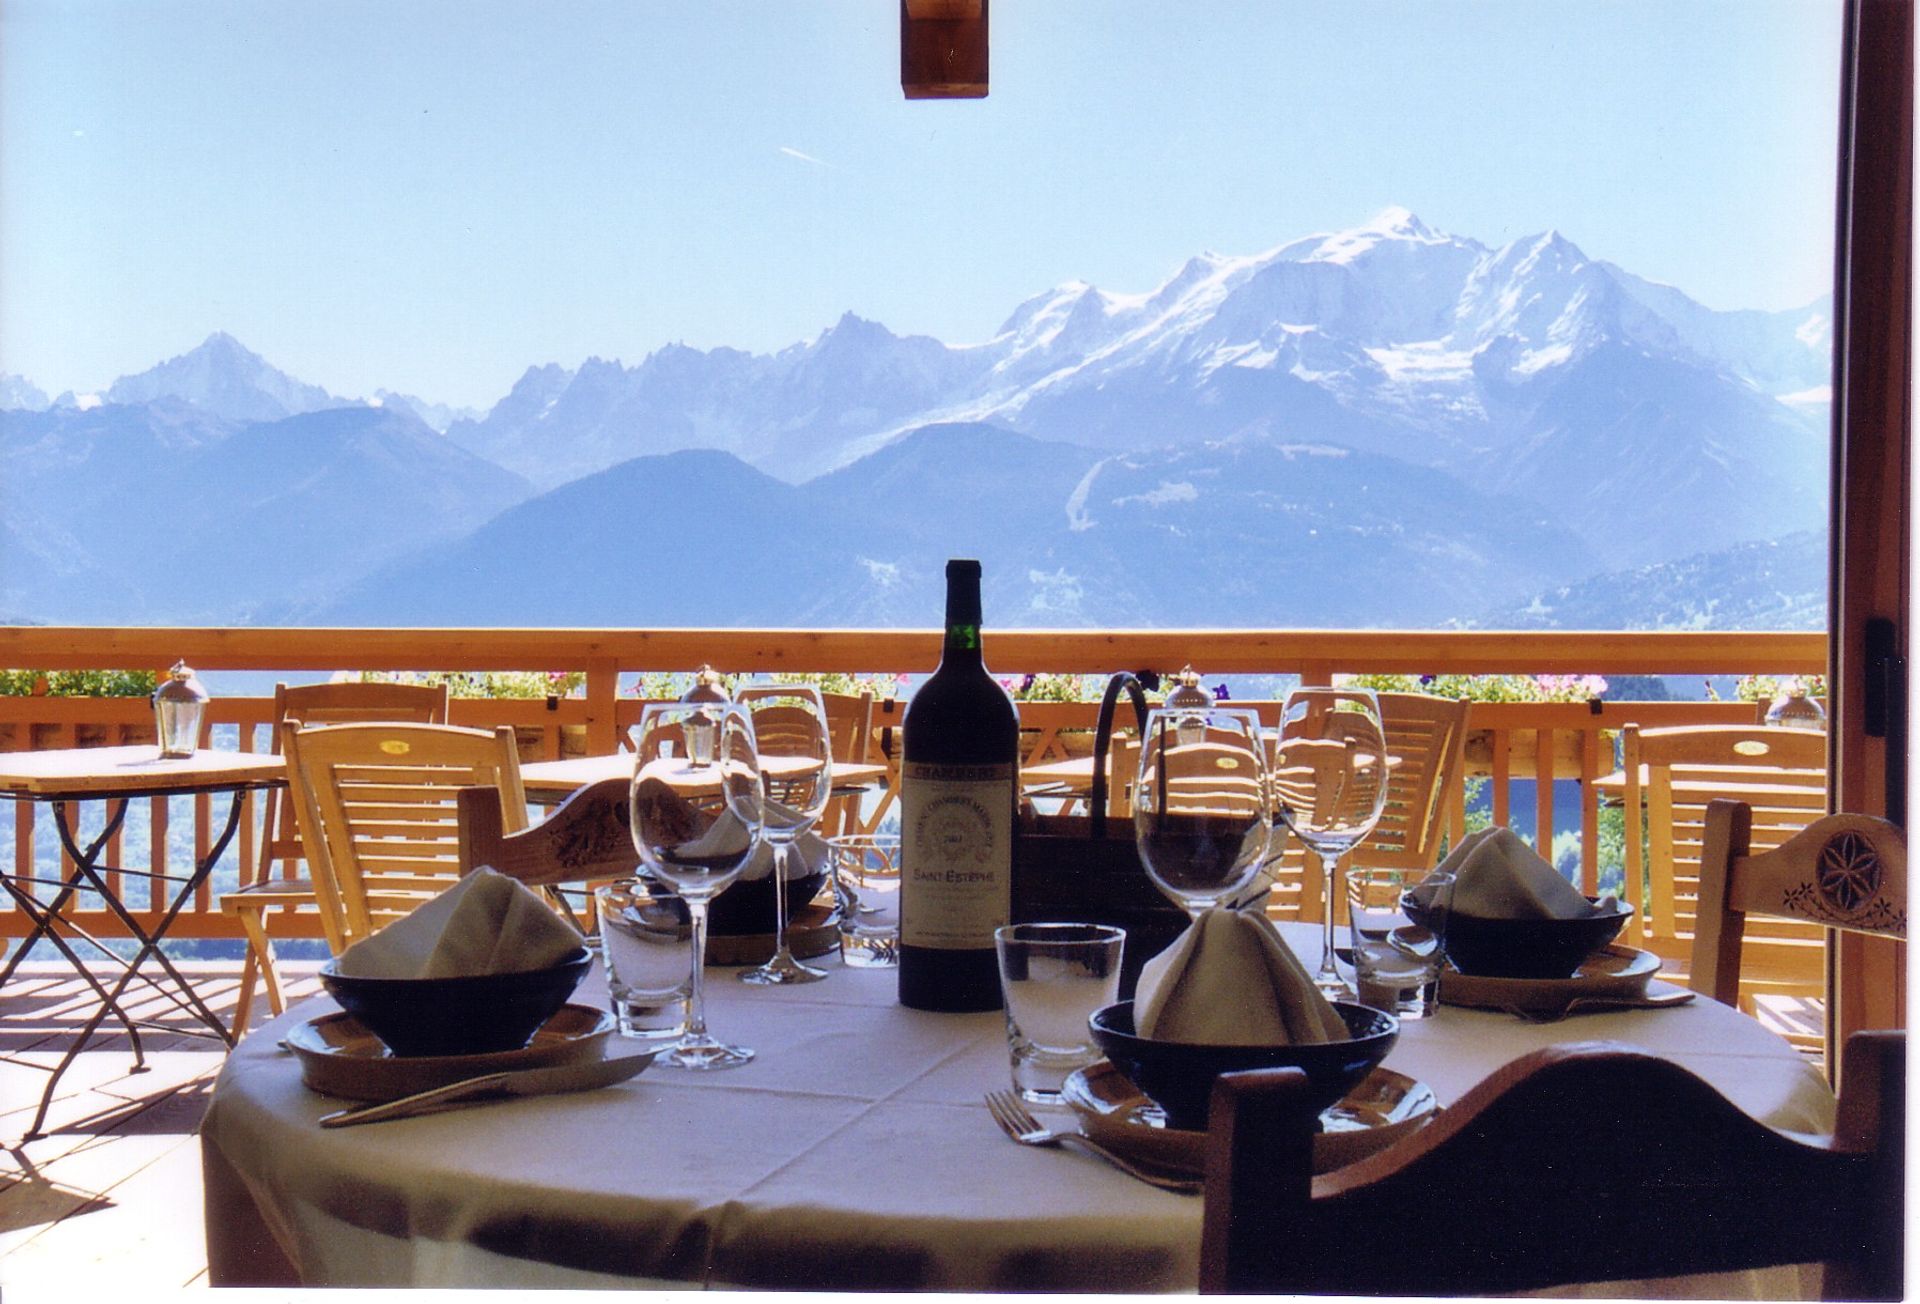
<point x="850" y="734"/>
<point x="323" y="704"/>
<point x="1842" y="871"/>
<point x="1580" y="1163"/>
<point x="380" y="809"/>
<point x="1426" y="743"/>
<point x="1671" y="777"/>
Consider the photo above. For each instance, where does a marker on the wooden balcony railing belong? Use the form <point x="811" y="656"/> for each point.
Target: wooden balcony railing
<point x="1508" y="742"/>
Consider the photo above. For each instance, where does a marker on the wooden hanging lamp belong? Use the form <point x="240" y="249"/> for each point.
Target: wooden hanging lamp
<point x="943" y="49"/>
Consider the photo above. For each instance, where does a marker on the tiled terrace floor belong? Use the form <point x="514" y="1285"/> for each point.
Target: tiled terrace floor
<point x="108" y="1202"/>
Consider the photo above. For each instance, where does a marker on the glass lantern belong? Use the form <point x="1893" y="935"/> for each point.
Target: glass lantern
<point x="1189" y="694"/>
<point x="179" y="704"/>
<point x="702" y="728"/>
<point x="1793" y="709"/>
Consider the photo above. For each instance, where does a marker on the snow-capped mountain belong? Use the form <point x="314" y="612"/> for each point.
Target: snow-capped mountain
<point x="437" y="415"/>
<point x="224" y="377"/>
<point x="17" y="393"/>
<point x="1514" y="365"/>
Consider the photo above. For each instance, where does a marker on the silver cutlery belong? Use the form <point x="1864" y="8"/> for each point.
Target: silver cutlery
<point x="1019" y="1124"/>
<point x="1590" y="1004"/>
<point x="521" y="1082"/>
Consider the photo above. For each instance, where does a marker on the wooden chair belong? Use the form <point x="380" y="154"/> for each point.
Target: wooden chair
<point x="1578" y="1163"/>
<point x="1426" y="741"/>
<point x="278" y="885"/>
<point x="1671" y="776"/>
<point x="1843" y="871"/>
<point x="379" y="813"/>
<point x="850" y="732"/>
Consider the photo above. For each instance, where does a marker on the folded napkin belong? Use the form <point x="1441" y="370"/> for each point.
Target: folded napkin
<point x="725" y="834"/>
<point x="1496" y="875"/>
<point x="485" y="923"/>
<point x="1230" y="981"/>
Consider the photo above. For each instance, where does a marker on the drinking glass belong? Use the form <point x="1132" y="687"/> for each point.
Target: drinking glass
<point x="1053" y="978"/>
<point x="866" y="882"/>
<point x="1329" y="786"/>
<point x="796" y="769"/>
<point x="695" y="829"/>
<point x="1396" y="962"/>
<point x="1200" y="816"/>
<point x="646" y="946"/>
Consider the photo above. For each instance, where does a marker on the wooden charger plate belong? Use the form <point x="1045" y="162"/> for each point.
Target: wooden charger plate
<point x="1383" y="1108"/>
<point x="339" y="1057"/>
<point x="811" y="930"/>
<point x="1617" y="973"/>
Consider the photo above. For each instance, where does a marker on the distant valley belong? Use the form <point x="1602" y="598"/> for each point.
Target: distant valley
<point x="1388" y="426"/>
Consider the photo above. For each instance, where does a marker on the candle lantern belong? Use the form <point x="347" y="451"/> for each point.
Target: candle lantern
<point x="1190" y="697"/>
<point x="702" y="727"/>
<point x="179" y="705"/>
<point x="1793" y="709"/>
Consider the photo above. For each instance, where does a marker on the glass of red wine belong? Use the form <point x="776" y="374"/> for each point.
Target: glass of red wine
<point x="1200" y="810"/>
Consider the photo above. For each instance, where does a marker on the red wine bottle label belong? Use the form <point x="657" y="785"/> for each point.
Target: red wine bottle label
<point x="956" y="853"/>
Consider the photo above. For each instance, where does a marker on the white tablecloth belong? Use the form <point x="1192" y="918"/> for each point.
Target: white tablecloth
<point x="852" y="1153"/>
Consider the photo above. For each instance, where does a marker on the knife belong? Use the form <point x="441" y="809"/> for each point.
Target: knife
<point x="521" y="1082"/>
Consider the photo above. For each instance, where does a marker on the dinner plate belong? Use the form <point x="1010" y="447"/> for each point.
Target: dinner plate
<point x="1383" y="1108"/>
<point x="1616" y="973"/>
<point x="339" y="1057"/>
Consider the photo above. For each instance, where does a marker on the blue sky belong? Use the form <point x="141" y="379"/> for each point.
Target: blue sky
<point x="432" y="196"/>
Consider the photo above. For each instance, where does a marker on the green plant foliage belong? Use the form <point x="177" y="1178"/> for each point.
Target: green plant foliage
<point x="79" y="683"/>
<point x="487" y="683"/>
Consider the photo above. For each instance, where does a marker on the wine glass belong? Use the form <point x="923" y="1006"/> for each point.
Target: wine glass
<point x="1200" y="815"/>
<point x="796" y="769"/>
<point x="695" y="827"/>
<point x="1329" y="786"/>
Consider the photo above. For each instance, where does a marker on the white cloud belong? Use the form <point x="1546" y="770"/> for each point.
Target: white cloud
<point x="804" y="158"/>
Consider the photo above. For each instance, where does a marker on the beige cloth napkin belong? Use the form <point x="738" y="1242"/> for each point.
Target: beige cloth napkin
<point x="1230" y="981"/>
<point x="727" y="834"/>
<point x="1496" y="875"/>
<point x="485" y="923"/>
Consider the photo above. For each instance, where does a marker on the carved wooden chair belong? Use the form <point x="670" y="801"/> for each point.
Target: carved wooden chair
<point x="1671" y="777"/>
<point x="279" y="891"/>
<point x="379" y="814"/>
<point x="1579" y="1163"/>
<point x="1843" y="871"/>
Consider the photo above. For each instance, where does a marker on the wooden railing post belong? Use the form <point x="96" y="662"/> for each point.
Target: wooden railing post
<point x="603" y="693"/>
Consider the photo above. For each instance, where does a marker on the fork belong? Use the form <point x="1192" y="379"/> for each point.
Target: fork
<point x="1656" y="1001"/>
<point x="1015" y="1120"/>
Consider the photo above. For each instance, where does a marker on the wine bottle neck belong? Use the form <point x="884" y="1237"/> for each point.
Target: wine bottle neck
<point x="963" y="621"/>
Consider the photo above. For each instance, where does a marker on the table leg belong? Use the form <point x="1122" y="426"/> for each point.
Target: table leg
<point x="150" y="942"/>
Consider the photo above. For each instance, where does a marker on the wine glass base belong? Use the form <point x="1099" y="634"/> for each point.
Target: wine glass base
<point x="707" y="1054"/>
<point x="782" y="971"/>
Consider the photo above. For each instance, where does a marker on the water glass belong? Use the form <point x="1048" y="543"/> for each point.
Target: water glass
<point x="1053" y="977"/>
<point x="1397" y="962"/>
<point x="646" y="943"/>
<point x="866" y="883"/>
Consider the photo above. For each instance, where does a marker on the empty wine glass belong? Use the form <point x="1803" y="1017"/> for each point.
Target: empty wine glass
<point x="695" y="828"/>
<point x="1329" y="786"/>
<point x="796" y="768"/>
<point x="1200" y="815"/>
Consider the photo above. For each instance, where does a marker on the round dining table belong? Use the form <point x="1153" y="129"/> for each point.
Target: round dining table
<point x="854" y="1152"/>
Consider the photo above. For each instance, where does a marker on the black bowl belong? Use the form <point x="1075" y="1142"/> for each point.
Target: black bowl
<point x="746" y="908"/>
<point x="1178" y="1076"/>
<point x="1527" y="948"/>
<point x="456" y="1016"/>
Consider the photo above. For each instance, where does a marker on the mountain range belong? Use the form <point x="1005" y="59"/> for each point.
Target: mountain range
<point x="1382" y="426"/>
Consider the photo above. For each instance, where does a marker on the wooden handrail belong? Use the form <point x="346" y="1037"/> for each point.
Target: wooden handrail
<point x="1217" y="651"/>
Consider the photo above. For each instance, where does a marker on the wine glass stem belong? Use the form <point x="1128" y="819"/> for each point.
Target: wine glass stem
<point x="1330" y="872"/>
<point x="780" y="851"/>
<point x="697" y="989"/>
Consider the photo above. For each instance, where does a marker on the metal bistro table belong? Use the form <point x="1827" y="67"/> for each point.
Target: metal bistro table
<point x="116" y="776"/>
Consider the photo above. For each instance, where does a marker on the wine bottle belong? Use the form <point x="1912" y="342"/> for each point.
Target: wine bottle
<point x="957" y="783"/>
